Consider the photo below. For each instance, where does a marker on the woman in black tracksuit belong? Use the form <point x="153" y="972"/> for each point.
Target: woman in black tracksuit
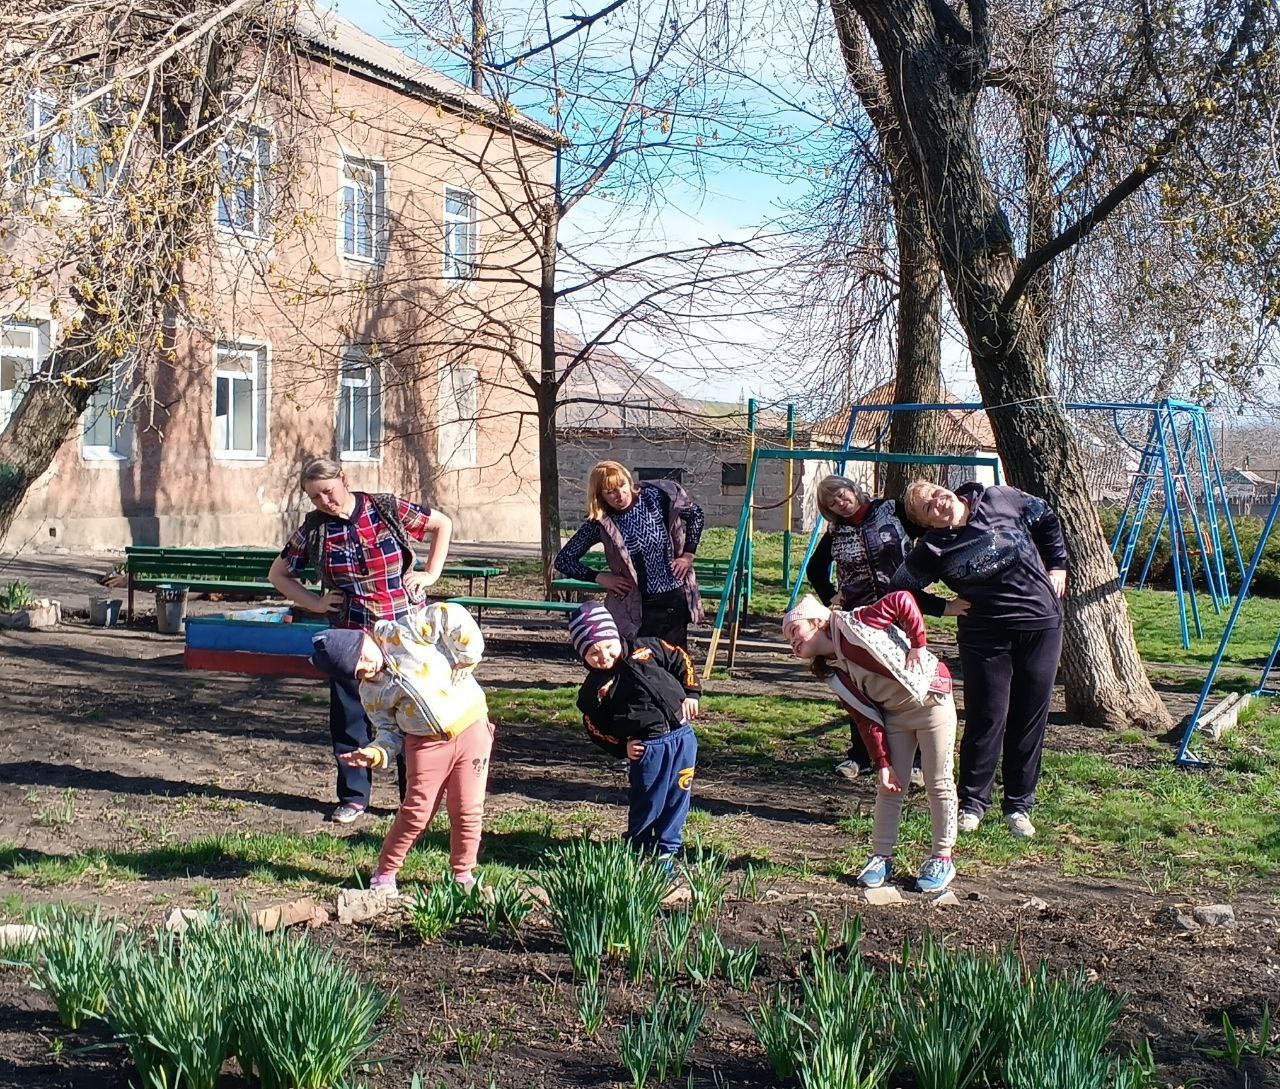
<point x="1002" y="551"/>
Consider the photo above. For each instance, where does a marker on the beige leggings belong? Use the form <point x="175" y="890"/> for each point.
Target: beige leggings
<point x="932" y="729"/>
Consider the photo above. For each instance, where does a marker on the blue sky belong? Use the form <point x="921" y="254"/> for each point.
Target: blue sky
<point x="728" y="202"/>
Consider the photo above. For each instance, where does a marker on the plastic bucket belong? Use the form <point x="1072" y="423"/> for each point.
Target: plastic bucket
<point x="171" y="609"/>
<point x="104" y="612"/>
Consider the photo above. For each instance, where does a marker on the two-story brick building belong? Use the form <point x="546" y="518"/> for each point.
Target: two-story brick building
<point x="337" y="311"/>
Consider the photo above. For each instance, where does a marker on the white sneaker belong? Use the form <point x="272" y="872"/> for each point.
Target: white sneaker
<point x="1020" y="825"/>
<point x="849" y="769"/>
<point x="917" y="777"/>
<point x="967" y="821"/>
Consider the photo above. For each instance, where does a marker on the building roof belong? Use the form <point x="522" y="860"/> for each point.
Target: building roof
<point x="962" y="430"/>
<point x="345" y="44"/>
<point x="605" y="391"/>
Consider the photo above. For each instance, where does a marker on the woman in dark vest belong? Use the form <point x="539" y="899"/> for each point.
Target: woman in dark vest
<point x="650" y="534"/>
<point x="362" y="546"/>
<point x="866" y="539"/>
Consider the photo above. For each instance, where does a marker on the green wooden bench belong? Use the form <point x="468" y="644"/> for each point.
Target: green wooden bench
<point x="564" y="608"/>
<point x="582" y="586"/>
<point x="715" y="570"/>
<point x="239" y="570"/>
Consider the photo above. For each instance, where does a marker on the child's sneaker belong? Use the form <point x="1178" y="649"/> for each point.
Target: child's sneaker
<point x="917" y="778"/>
<point x="1020" y="825"/>
<point x="849" y="769"/>
<point x="347" y="813"/>
<point x="936" y="874"/>
<point x="876" y="872"/>
<point x="385" y="883"/>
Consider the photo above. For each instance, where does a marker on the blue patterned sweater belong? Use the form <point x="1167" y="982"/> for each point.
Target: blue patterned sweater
<point x="643" y="526"/>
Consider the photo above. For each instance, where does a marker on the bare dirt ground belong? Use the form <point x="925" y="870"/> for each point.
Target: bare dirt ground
<point x="157" y="755"/>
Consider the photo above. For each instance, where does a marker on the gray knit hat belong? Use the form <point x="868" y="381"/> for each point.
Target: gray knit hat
<point x="336" y="651"/>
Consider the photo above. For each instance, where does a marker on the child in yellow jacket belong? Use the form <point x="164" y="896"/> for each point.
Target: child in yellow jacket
<point x="417" y="688"/>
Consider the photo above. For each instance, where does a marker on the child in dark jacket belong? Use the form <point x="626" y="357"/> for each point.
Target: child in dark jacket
<point x="637" y="702"/>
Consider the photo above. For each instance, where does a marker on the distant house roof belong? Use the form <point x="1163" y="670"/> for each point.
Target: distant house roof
<point x="961" y="430"/>
<point x="605" y="391"/>
<point x="345" y="44"/>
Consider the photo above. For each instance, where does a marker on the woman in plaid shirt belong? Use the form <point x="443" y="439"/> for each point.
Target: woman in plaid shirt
<point x="361" y="546"/>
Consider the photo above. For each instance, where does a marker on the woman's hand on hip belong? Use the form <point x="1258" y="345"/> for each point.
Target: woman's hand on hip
<point x="682" y="565"/>
<point x="957" y="606"/>
<point x="416" y="582"/>
<point x="326" y="603"/>
<point x="615" y="584"/>
<point x="1058" y="580"/>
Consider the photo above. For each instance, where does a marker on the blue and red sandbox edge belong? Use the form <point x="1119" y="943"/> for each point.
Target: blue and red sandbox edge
<point x="257" y="648"/>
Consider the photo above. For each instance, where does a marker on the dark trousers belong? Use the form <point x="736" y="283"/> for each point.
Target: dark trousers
<point x="350" y="729"/>
<point x="666" y="616"/>
<point x="661" y="789"/>
<point x="1008" y="682"/>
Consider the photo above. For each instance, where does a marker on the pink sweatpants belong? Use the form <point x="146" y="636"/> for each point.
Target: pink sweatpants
<point x="458" y="768"/>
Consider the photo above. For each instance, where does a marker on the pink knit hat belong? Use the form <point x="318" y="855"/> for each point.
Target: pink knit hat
<point x="590" y="624"/>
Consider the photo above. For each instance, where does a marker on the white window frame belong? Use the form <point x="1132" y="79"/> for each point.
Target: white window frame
<point x="355" y="359"/>
<point x="252" y="145"/>
<point x="463" y="266"/>
<point x="349" y="183"/>
<point x="120" y="448"/>
<point x="36" y="354"/>
<point x="457" y="421"/>
<point x="223" y="352"/>
<point x="59" y="174"/>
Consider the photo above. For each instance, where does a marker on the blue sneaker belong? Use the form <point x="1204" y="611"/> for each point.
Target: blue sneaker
<point x="876" y="872"/>
<point x="936" y="874"/>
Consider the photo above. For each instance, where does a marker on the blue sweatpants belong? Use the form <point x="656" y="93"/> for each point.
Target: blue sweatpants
<point x="661" y="789"/>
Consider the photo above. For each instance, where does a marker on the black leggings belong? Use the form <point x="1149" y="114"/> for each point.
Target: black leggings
<point x="350" y="729"/>
<point x="666" y="616"/>
<point x="1008" y="682"/>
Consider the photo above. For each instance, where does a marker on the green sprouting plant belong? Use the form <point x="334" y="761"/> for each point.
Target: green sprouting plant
<point x="17" y="595"/>
<point x="751" y="884"/>
<point x="781" y="1030"/>
<point x="73" y="965"/>
<point x="311" y="1018"/>
<point x="503" y="905"/>
<point x="592" y="1003"/>
<point x="660" y="1040"/>
<point x="670" y="948"/>
<point x="704" y="955"/>
<point x="1236" y="1045"/>
<point x="708" y="887"/>
<point x="738" y="966"/>
<point x="171" y="1013"/>
<point x="602" y="898"/>
<point x="438" y="909"/>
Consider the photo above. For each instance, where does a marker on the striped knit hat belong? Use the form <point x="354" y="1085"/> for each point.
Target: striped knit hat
<point x="591" y="623"/>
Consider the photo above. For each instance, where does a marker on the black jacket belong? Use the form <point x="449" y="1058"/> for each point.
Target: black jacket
<point x="640" y="697"/>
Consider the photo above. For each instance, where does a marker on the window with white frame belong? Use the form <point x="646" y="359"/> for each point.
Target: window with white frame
<point x="23" y="346"/>
<point x="457" y="426"/>
<point x="107" y="433"/>
<point x="244" y="162"/>
<point x="362" y="213"/>
<point x="67" y="157"/>
<point x="359" y="405"/>
<point x="461" y="234"/>
<point x="240" y="401"/>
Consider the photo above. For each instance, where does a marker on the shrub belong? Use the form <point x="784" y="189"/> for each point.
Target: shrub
<point x="438" y="909"/>
<point x="660" y="1040"/>
<point x="73" y="963"/>
<point x="503" y="905"/>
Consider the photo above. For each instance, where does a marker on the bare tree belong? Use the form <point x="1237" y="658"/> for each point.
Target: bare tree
<point x="1183" y="85"/>
<point x="113" y="121"/>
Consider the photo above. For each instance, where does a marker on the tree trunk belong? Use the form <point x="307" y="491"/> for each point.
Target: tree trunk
<point x="936" y="66"/>
<point x="42" y="420"/>
<point x="547" y="396"/>
<point x="919" y="366"/>
<point x="918" y="374"/>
